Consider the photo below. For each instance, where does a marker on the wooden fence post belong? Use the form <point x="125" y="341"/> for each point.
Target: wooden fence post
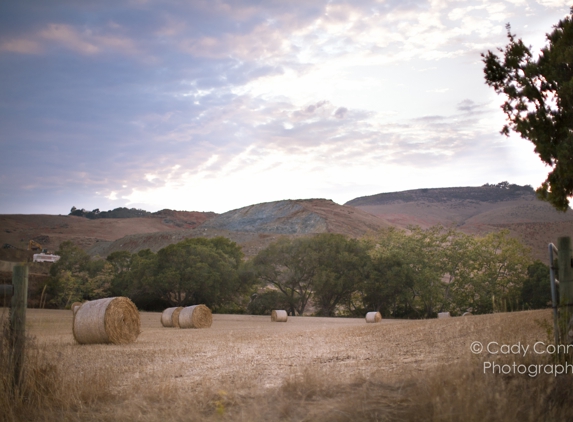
<point x="18" y="319"/>
<point x="565" y="288"/>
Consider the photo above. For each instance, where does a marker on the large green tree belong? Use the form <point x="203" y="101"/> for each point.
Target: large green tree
<point x="388" y="286"/>
<point x="424" y="253"/>
<point x="289" y="265"/>
<point x="421" y="272"/>
<point x="198" y="271"/>
<point x="491" y="275"/>
<point x="121" y="262"/>
<point x="325" y="269"/>
<point x="342" y="268"/>
<point x="539" y="102"/>
<point x="138" y="282"/>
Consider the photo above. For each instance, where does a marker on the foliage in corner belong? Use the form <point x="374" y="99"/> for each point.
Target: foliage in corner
<point x="539" y="103"/>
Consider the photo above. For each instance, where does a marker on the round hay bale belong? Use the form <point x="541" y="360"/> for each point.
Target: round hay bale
<point x="111" y="320"/>
<point x="197" y="316"/>
<point x="279" y="316"/>
<point x="444" y="315"/>
<point x="373" y="317"/>
<point x="75" y="306"/>
<point x="170" y="317"/>
<point x="175" y="317"/>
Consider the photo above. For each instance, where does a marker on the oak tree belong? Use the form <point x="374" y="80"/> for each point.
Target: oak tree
<point x="539" y="102"/>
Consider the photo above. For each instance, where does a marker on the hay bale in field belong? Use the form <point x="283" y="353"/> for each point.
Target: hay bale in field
<point x="197" y="316"/>
<point x="75" y="306"/>
<point x="279" y="316"/>
<point x="175" y="317"/>
<point x="111" y="320"/>
<point x="444" y="315"/>
<point x="170" y="317"/>
<point x="373" y="317"/>
<point x="467" y="314"/>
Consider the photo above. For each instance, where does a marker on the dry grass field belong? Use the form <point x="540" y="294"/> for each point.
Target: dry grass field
<point x="246" y="368"/>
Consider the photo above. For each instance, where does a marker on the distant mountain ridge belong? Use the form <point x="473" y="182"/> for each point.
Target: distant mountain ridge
<point x="474" y="210"/>
<point x="256" y="226"/>
<point x="463" y="207"/>
<point x="503" y="191"/>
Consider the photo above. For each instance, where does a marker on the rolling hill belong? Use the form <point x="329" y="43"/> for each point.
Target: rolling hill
<point x="464" y="206"/>
<point x="255" y="226"/>
<point x="51" y="230"/>
<point x="474" y="210"/>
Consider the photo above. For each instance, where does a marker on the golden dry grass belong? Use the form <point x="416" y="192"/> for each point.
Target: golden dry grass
<point x="246" y="368"/>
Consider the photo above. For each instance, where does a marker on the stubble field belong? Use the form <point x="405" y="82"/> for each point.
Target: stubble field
<point x="248" y="368"/>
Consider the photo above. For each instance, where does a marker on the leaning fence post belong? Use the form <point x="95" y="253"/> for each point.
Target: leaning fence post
<point x="18" y="318"/>
<point x="565" y="288"/>
<point x="553" y="283"/>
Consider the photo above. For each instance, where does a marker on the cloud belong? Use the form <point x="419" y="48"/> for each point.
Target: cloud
<point x="554" y="3"/>
<point x="22" y="46"/>
<point x="467" y="105"/>
<point x="349" y="154"/>
<point x="70" y="38"/>
<point x="67" y="36"/>
<point x="145" y="100"/>
<point x="423" y="142"/>
<point x="340" y="112"/>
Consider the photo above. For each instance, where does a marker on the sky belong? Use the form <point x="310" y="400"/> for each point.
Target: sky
<point x="212" y="105"/>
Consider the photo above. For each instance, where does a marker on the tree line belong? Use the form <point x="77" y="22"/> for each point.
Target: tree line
<point x="207" y="271"/>
<point x="413" y="273"/>
<point x="407" y="274"/>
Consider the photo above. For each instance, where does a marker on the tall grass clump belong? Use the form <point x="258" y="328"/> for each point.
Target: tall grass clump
<point x="42" y="390"/>
<point x="447" y="394"/>
<point x="465" y="392"/>
<point x="34" y="387"/>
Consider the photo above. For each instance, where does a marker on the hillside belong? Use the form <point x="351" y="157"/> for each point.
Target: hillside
<point x="255" y="226"/>
<point x="538" y="235"/>
<point x="51" y="230"/>
<point x="251" y="243"/>
<point x="502" y="192"/>
<point x="475" y="210"/>
<point x="297" y="217"/>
